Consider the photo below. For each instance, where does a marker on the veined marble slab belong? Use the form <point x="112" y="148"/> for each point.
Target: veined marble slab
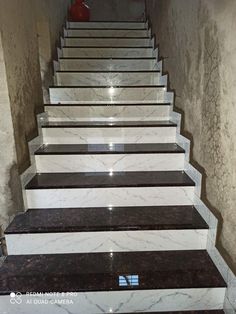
<point x="107" y="33"/>
<point x="109" y="162"/>
<point x="117" y="301"/>
<point x="105" y="197"/>
<point x="112" y="95"/>
<point x="108" y="241"/>
<point x="106" y="52"/>
<point x="107" y="78"/>
<point x="108" y="64"/>
<point x="108" y="113"/>
<point x="109" y="135"/>
<point x="107" y="25"/>
<point x="107" y="42"/>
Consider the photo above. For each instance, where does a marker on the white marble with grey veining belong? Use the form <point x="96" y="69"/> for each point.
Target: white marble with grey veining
<point x="107" y="78"/>
<point x="108" y="113"/>
<point x="107" y="42"/>
<point x="107" y="25"/>
<point x="106" y="197"/>
<point x="107" y="33"/>
<point x="119" y="301"/>
<point x="109" y="162"/>
<point x="108" y="64"/>
<point x="107" y="241"/>
<point x="112" y="95"/>
<point x="109" y="135"/>
<point x="105" y="52"/>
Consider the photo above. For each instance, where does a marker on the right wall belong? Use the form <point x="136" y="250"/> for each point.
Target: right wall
<point x="196" y="39"/>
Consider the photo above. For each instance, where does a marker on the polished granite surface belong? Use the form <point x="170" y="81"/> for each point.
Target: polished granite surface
<point x="70" y="149"/>
<point x="107" y="219"/>
<point x="102" y="271"/>
<point x="183" y="312"/>
<point x="109" y="179"/>
<point x="106" y="104"/>
<point x="104" y="124"/>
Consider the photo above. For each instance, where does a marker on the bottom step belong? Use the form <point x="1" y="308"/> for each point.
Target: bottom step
<point x="111" y="283"/>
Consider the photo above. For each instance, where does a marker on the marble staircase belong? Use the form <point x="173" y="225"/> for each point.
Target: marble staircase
<point x="114" y="220"/>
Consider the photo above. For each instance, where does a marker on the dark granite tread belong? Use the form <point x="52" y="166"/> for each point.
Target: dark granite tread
<point x="110" y="47"/>
<point x="109" y="180"/>
<point x="95" y="149"/>
<point x="106" y="104"/>
<point x="101" y="271"/>
<point x="106" y="219"/>
<point x="112" y="71"/>
<point x="105" y="124"/>
<point x="105" y="58"/>
<point x="106" y="37"/>
<point x="109" y="29"/>
<point x="183" y="312"/>
<point x="99" y="86"/>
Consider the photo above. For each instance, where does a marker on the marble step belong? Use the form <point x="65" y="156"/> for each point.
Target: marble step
<point x="108" y="52"/>
<point x="109" y="78"/>
<point x="106" y="42"/>
<point x="96" y="132"/>
<point x="113" y="282"/>
<point x="106" y="189"/>
<point x="113" y="95"/>
<point x="115" y="157"/>
<point x="90" y="230"/>
<point x="107" y="64"/>
<point x="183" y="312"/>
<point x="106" y="112"/>
<point x="131" y="33"/>
<point x="107" y="25"/>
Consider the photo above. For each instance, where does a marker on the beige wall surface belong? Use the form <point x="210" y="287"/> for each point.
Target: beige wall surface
<point x="117" y="10"/>
<point x="197" y="41"/>
<point x="29" y="30"/>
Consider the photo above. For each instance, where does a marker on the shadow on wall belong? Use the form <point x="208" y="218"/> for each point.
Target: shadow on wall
<point x="117" y="10"/>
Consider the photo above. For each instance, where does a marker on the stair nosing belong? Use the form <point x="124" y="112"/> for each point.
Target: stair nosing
<point x="109" y="47"/>
<point x="106" y="104"/>
<point x="108" y="86"/>
<point x="105" y="37"/>
<point x="112" y="71"/>
<point x="103" y="58"/>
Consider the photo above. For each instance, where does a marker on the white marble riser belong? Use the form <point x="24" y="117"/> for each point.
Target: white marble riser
<point x="108" y="113"/>
<point x="107" y="25"/>
<point x="112" y="162"/>
<point x="109" y="135"/>
<point x="110" y="95"/>
<point x="128" y="301"/>
<point x="104" y="197"/>
<point x="108" y="52"/>
<point x="107" y="42"/>
<point x="108" y="65"/>
<point x="107" y="79"/>
<point x="108" y="241"/>
<point x="106" y="33"/>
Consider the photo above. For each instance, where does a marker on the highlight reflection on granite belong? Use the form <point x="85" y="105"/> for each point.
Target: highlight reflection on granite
<point x="107" y="219"/>
<point x="109" y="149"/>
<point x="109" y="180"/>
<point x="101" y="271"/>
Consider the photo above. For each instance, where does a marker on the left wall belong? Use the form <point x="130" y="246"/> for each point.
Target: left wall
<point x="29" y="31"/>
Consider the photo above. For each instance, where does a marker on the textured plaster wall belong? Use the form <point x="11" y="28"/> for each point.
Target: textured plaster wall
<point x="117" y="10"/>
<point x="29" y="30"/>
<point x="197" y="41"/>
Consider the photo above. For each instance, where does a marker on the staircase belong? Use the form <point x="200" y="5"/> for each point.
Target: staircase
<point x="114" y="221"/>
